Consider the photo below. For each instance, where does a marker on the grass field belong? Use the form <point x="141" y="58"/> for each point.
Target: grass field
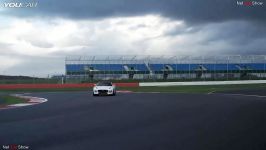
<point x="169" y="89"/>
<point x="8" y="100"/>
<point x="196" y="88"/>
<point x="10" y="91"/>
<point x="55" y="81"/>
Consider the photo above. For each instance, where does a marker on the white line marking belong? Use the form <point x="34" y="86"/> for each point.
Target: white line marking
<point x="31" y="101"/>
<point x="150" y="92"/>
<point x="260" y="96"/>
<point x="211" y="92"/>
<point x="19" y="105"/>
<point x="124" y="91"/>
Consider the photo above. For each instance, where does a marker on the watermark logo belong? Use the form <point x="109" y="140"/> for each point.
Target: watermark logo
<point x="15" y="147"/>
<point x="19" y="4"/>
<point x="249" y="3"/>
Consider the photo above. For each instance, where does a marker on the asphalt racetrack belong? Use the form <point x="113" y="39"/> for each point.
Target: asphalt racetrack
<point x="138" y="121"/>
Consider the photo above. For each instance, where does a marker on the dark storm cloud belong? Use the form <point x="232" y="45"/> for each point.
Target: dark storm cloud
<point x="237" y="32"/>
<point x="194" y="11"/>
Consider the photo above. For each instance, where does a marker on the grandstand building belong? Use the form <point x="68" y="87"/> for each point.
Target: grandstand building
<point x="166" y="67"/>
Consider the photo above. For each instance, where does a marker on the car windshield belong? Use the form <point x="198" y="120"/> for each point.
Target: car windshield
<point x="104" y="84"/>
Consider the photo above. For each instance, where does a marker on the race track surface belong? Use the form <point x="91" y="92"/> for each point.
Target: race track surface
<point x="138" y="121"/>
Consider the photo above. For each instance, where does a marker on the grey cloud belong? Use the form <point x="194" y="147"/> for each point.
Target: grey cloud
<point x="41" y="44"/>
<point x="5" y="45"/>
<point x="236" y="31"/>
<point x="138" y="27"/>
<point x="183" y="30"/>
<point x="228" y="38"/>
<point x="36" y="41"/>
<point x="192" y="11"/>
<point x="212" y="27"/>
<point x="237" y="37"/>
<point x="37" y="66"/>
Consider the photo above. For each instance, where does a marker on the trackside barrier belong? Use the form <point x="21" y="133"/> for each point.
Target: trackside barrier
<point x="59" y="86"/>
<point x="202" y="83"/>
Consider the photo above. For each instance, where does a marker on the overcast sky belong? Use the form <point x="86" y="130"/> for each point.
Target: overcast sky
<point x="34" y="41"/>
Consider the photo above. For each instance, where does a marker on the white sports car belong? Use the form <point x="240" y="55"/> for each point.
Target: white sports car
<point x="104" y="88"/>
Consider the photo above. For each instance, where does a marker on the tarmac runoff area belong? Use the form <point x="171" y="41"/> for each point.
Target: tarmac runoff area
<point x="131" y="121"/>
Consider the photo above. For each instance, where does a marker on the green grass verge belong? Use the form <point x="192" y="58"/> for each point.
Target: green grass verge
<point x="8" y="100"/>
<point x="10" y="91"/>
<point x="169" y="89"/>
<point x="163" y="80"/>
<point x="196" y="88"/>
